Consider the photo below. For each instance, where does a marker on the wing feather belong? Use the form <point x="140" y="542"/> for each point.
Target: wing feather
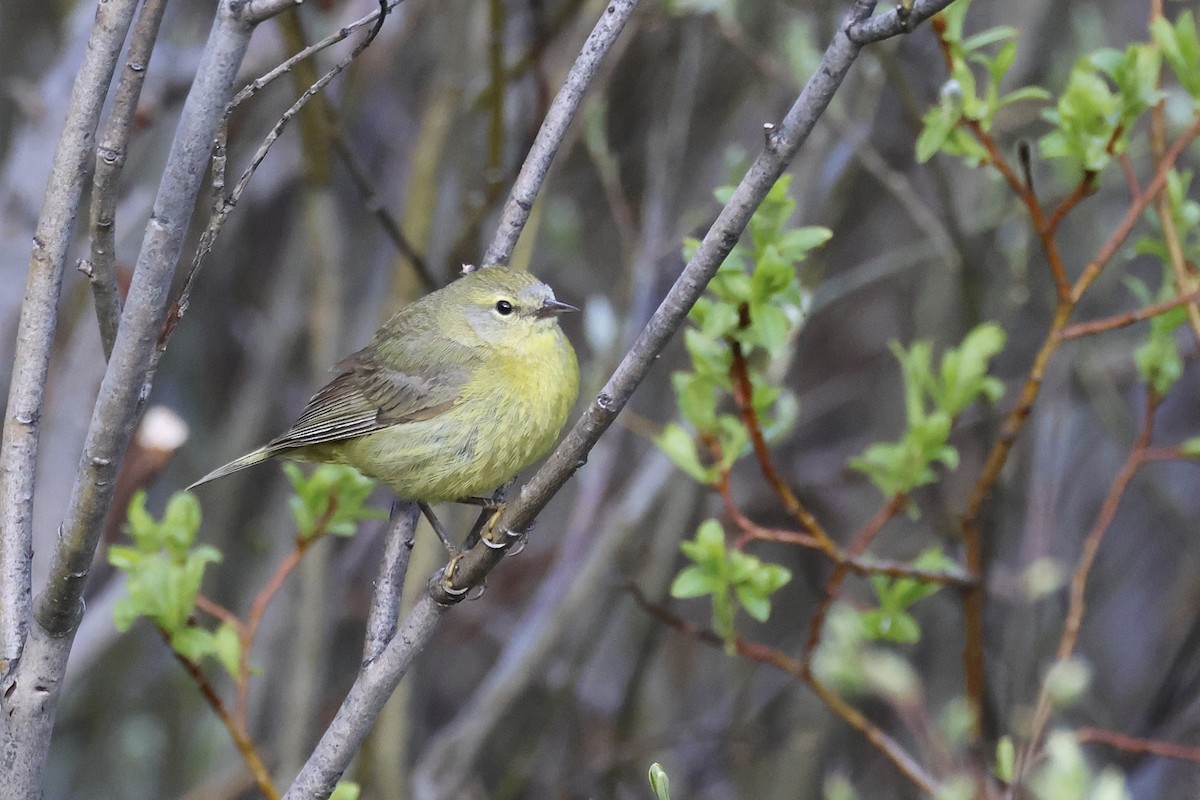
<point x="367" y="396"/>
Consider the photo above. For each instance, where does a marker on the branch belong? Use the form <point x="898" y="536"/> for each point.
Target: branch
<point x="31" y="698"/>
<point x="1131" y="744"/>
<point x="379" y="678"/>
<point x="1117" y="321"/>
<point x="554" y="127"/>
<point x="39" y="317"/>
<point x="1087" y="557"/>
<point x="889" y="747"/>
<point x="389" y="586"/>
<point x="101" y="270"/>
<point x="742" y="393"/>
<point x="236" y="729"/>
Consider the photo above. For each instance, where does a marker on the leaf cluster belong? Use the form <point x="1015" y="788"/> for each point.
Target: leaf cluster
<point x="733" y="578"/>
<point x="964" y="97"/>
<point x="755" y="303"/>
<point x="891" y="622"/>
<point x="933" y="398"/>
<point x="164" y="570"/>
<point x="330" y="500"/>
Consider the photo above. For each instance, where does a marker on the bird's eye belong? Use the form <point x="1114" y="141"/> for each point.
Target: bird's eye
<point x="504" y="308"/>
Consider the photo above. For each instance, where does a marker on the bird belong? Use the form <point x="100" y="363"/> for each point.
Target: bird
<point x="454" y="395"/>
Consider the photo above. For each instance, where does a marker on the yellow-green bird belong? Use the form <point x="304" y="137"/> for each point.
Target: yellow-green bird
<point x="455" y="394"/>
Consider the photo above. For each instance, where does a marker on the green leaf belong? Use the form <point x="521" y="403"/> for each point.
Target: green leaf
<point x="693" y="581"/>
<point x="769" y="328"/>
<point x="1159" y="362"/>
<point x="756" y="605"/>
<point x="1190" y="448"/>
<point x="1180" y="46"/>
<point x="1006" y="759"/>
<point x="889" y="625"/>
<point x="989" y="36"/>
<point x="710" y="357"/>
<point x="679" y="446"/>
<point x="772" y="274"/>
<point x="192" y="643"/>
<point x="346" y="790"/>
<point x="940" y="122"/>
<point x="794" y="244"/>
<point x="227" y="648"/>
<point x="659" y="782"/>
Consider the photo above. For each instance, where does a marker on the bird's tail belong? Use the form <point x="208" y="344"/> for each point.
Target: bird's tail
<point x="250" y="459"/>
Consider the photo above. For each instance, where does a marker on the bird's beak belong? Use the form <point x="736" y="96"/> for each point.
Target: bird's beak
<point x="552" y="308"/>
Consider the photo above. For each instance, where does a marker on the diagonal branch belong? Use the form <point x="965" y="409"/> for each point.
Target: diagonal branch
<point x="379" y="678"/>
<point x="554" y="127"/>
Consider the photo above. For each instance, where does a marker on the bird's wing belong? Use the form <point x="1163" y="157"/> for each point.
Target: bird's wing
<point x="367" y="396"/>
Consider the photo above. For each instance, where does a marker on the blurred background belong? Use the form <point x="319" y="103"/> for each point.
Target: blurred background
<point x="555" y="684"/>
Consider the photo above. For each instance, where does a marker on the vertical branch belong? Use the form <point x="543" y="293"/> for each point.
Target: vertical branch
<point x="39" y="317"/>
<point x="554" y="127"/>
<point x="110" y="160"/>
<point x="389" y="586"/>
<point x="31" y="697"/>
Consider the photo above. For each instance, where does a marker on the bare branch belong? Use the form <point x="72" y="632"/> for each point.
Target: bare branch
<point x="554" y="127"/>
<point x="224" y="206"/>
<point x="31" y="697"/>
<point x="35" y="334"/>
<point x="385" y="603"/>
<point x="110" y="160"/>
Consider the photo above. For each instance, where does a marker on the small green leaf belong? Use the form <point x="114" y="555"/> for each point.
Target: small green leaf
<point x="756" y="605"/>
<point x="989" y="36"/>
<point x="890" y="626"/>
<point x="659" y="783"/>
<point x="1190" y="448"/>
<point x="693" y="581"/>
<point x="346" y="790"/>
<point x="227" y="648"/>
<point x="1180" y="46"/>
<point x="1006" y="759"/>
<point x="679" y="446"/>
<point x="192" y="643"/>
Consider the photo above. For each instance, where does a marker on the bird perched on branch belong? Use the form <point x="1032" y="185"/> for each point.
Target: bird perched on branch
<point x="454" y="395"/>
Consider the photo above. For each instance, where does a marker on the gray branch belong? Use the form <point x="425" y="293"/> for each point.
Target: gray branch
<point x="554" y="127"/>
<point x="31" y="695"/>
<point x="110" y="160"/>
<point x="389" y="586"/>
<point x="35" y="333"/>
<point x="380" y="677"/>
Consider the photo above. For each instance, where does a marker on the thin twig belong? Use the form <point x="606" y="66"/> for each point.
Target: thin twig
<point x="1087" y="557"/>
<point x="221" y="213"/>
<point x="286" y="66"/>
<point x="1135" y="211"/>
<point x="1118" y="321"/>
<point x="554" y="127"/>
<point x="742" y="396"/>
<point x="889" y="747"/>
<point x="1133" y="744"/>
<point x="236" y="729"/>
